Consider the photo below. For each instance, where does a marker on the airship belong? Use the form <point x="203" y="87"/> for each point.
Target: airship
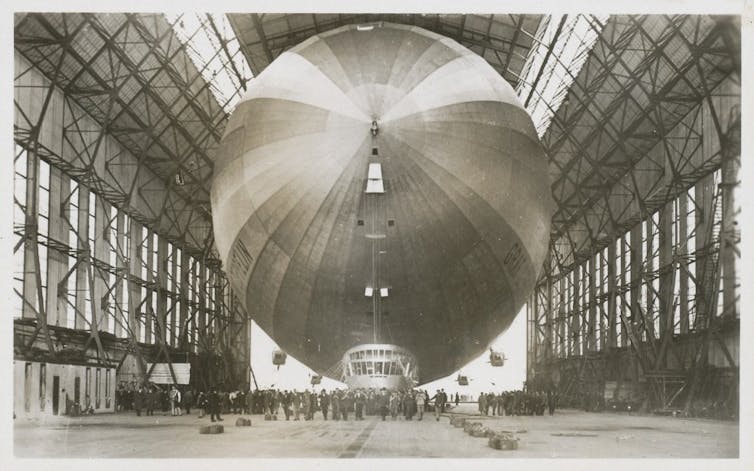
<point x="381" y="204"/>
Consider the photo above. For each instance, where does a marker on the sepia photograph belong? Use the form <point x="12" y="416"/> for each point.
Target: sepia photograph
<point x="261" y="233"/>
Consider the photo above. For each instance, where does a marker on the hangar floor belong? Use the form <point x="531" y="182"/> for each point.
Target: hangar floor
<point x="568" y="434"/>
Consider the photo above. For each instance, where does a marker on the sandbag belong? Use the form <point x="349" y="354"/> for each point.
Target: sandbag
<point x="457" y="421"/>
<point x="503" y="442"/>
<point x="468" y="425"/>
<point x="243" y="422"/>
<point x="479" y="432"/>
<point x="472" y="427"/>
<point x="267" y="417"/>
<point x="211" y="429"/>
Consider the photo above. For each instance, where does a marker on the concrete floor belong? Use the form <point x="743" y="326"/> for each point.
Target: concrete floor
<point x="568" y="434"/>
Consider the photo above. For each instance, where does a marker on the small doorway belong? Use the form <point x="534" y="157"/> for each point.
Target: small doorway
<point x="55" y="394"/>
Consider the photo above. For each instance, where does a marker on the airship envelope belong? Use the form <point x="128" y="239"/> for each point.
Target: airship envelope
<point x="381" y="160"/>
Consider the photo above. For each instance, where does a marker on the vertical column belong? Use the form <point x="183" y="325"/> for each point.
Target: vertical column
<point x="193" y="300"/>
<point x="162" y="286"/>
<point x="683" y="251"/>
<point x="649" y="267"/>
<point x="183" y="295"/>
<point x="57" y="261"/>
<point x="202" y="308"/>
<point x="576" y="312"/>
<point x="636" y="273"/>
<point x="135" y="305"/>
<point x="561" y="316"/>
<point x="549" y="338"/>
<point x="531" y="327"/>
<point x="30" y="286"/>
<point x="101" y="278"/>
<point x="612" y="292"/>
<point x="149" y="308"/>
<point x="625" y="263"/>
<point x="120" y="266"/>
<point x="667" y="282"/>
<point x="82" y="284"/>
<point x="729" y="256"/>
<point x="591" y="330"/>
<point x="219" y="307"/>
<point x="705" y="191"/>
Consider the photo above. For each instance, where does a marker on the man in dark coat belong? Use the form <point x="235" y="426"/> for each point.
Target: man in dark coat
<point x="214" y="404"/>
<point x="324" y="402"/>
<point x="346" y="405"/>
<point x="188" y="400"/>
<point x="139" y="400"/>
<point x="360" y="402"/>
<point x="152" y="399"/>
<point x="285" y="401"/>
<point x="312" y="405"/>
<point x="383" y="402"/>
<point x="335" y="402"/>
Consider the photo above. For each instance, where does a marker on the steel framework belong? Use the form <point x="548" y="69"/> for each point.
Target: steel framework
<point x="126" y="122"/>
<point x="640" y="290"/>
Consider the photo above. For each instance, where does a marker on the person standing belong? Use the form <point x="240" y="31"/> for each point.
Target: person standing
<point x="214" y="403"/>
<point x="175" y="401"/>
<point x="152" y="401"/>
<point x="312" y="405"/>
<point x="188" y="400"/>
<point x="306" y="403"/>
<point x="139" y="399"/>
<point x="360" y="401"/>
<point x="296" y="404"/>
<point x="285" y="401"/>
<point x="444" y="400"/>
<point x="420" y="404"/>
<point x="201" y="403"/>
<point x="324" y="402"/>
<point x="384" y="403"/>
<point x="457" y="399"/>
<point x="250" y="402"/>
<point x="438" y="404"/>
<point x="346" y="405"/>
<point x="335" y="403"/>
<point x="408" y="405"/>
<point x="275" y="403"/>
<point x="394" y="400"/>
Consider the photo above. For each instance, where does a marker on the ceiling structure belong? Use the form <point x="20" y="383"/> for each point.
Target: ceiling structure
<point x="132" y="75"/>
<point x="502" y="40"/>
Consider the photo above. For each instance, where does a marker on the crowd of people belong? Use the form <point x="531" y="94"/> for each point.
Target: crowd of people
<point x="517" y="403"/>
<point x="277" y="404"/>
<point x="337" y="404"/>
